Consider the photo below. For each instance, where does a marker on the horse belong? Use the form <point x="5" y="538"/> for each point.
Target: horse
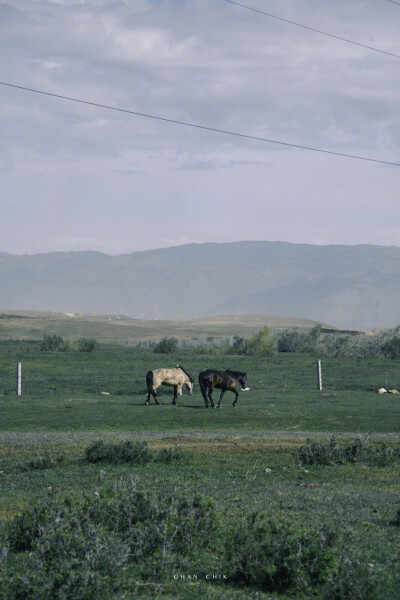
<point x="223" y="380"/>
<point x="176" y="377"/>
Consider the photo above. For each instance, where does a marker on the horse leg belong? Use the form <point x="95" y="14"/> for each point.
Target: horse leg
<point x="236" y="398"/>
<point x="154" y="394"/>
<point x="210" y="397"/>
<point x="175" y="395"/>
<point x="220" y="398"/>
<point x="203" y="388"/>
<point x="150" y="388"/>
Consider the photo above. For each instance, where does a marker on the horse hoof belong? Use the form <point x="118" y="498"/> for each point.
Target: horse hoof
<point x="146" y="403"/>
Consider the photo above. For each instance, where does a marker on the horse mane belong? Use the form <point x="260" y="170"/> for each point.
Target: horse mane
<point x="186" y="373"/>
<point x="235" y="373"/>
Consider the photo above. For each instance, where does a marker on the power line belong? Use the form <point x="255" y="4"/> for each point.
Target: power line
<point x="203" y="127"/>
<point x="331" y="35"/>
<point x="393" y="2"/>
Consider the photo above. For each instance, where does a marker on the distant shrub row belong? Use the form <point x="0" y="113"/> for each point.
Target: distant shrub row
<point x="117" y="540"/>
<point x="383" y="344"/>
<point x="260" y="344"/>
<point x="55" y="343"/>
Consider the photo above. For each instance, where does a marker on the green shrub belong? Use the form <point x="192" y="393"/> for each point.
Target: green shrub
<point x="238" y="346"/>
<point x="331" y="453"/>
<point x="169" y="455"/>
<point x="292" y="340"/>
<point x="391" y="347"/>
<point x="396" y="520"/>
<point x="55" y="343"/>
<point x="130" y="452"/>
<point x="86" y="344"/>
<point x="350" y="581"/>
<point x="168" y="345"/>
<point x="319" y="453"/>
<point x="125" y="452"/>
<point x="81" y="547"/>
<point x="289" y="340"/>
<point x="64" y="556"/>
<point x="269" y="554"/>
<point x="261" y="344"/>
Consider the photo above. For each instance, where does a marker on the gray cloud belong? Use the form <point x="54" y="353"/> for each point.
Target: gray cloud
<point x="63" y="165"/>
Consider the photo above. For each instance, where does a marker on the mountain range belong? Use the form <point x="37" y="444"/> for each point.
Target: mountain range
<point x="347" y="286"/>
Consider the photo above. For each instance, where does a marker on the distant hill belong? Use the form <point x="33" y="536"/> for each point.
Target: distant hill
<point x="121" y="329"/>
<point x="347" y="286"/>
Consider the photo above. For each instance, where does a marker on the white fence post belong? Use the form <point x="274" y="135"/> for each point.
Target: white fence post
<point x="19" y="379"/>
<point x="319" y="369"/>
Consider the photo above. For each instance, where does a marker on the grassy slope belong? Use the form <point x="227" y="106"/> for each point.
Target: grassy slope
<point x="122" y="329"/>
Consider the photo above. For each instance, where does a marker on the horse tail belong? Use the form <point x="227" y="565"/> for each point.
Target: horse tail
<point x="203" y="386"/>
<point x="150" y="381"/>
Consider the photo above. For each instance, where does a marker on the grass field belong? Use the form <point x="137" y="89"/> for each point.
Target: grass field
<point x="241" y="457"/>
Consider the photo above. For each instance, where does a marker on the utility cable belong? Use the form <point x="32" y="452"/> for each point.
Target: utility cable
<point x="331" y="35"/>
<point x="203" y="127"/>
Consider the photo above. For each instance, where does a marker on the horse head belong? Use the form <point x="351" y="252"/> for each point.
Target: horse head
<point x="189" y="382"/>
<point x="189" y="385"/>
<point x="242" y="380"/>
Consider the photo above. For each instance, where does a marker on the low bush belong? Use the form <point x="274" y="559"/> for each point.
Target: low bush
<point x="396" y="520"/>
<point x="86" y="344"/>
<point x="116" y="539"/>
<point x="260" y="344"/>
<point x="125" y="452"/>
<point x="91" y="546"/>
<point x="130" y="452"/>
<point x="351" y="580"/>
<point x="269" y="554"/>
<point x="169" y="455"/>
<point x="168" y="345"/>
<point x="55" y="343"/>
<point x="332" y="453"/>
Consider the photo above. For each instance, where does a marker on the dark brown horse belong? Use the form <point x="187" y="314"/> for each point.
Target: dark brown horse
<point x="222" y="380"/>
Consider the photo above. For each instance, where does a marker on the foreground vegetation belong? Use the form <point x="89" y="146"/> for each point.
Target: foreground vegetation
<point x="292" y="494"/>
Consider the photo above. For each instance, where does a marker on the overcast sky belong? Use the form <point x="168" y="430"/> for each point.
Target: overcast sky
<point x="76" y="177"/>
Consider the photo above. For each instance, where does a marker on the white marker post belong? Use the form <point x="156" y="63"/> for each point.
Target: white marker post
<point x="19" y="379"/>
<point x="319" y="369"/>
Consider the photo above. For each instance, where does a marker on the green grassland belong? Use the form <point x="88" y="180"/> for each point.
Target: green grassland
<point x="122" y="329"/>
<point x="241" y="457"/>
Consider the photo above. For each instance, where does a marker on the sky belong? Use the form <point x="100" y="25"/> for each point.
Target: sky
<point x="79" y="177"/>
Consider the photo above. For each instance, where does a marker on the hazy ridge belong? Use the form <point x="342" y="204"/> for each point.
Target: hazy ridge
<point x="347" y="286"/>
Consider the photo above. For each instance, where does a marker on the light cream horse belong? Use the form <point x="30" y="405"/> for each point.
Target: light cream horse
<point x="176" y="377"/>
